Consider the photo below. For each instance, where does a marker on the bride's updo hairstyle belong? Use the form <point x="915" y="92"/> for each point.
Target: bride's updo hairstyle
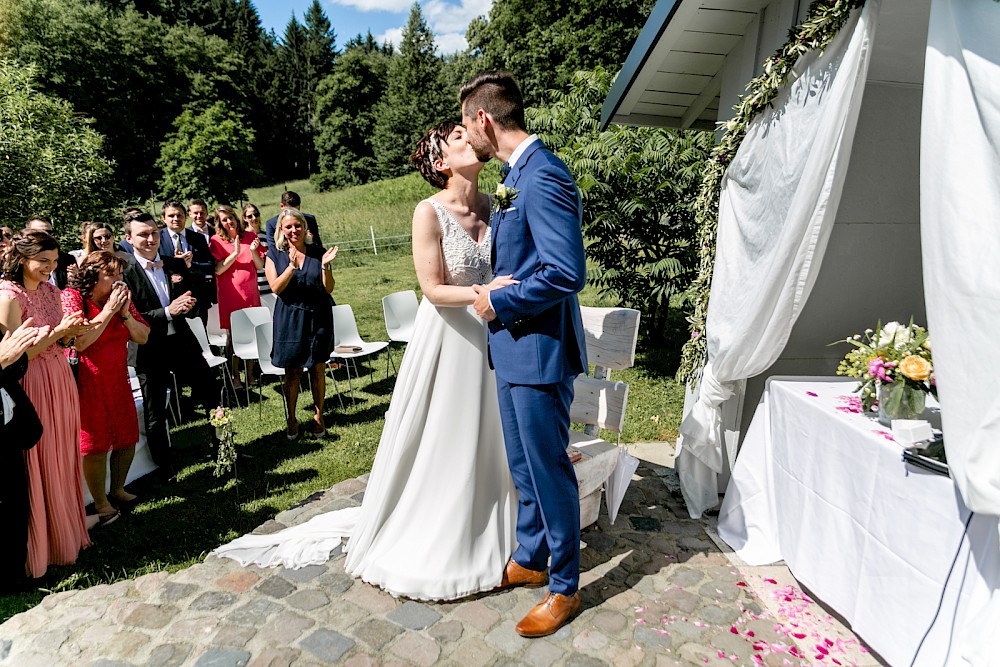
<point x="429" y="150"/>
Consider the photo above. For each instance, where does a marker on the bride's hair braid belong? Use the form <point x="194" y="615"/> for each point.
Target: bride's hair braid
<point x="429" y="149"/>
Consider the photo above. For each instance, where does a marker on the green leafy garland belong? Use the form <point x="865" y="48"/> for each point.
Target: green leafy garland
<point x="823" y="22"/>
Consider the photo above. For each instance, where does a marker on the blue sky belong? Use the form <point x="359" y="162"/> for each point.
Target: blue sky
<point x="385" y="18"/>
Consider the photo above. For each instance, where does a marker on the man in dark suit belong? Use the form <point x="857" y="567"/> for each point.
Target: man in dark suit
<point x="59" y="275"/>
<point x="178" y="240"/>
<point x="291" y="200"/>
<point x="162" y="293"/>
<point x="536" y="341"/>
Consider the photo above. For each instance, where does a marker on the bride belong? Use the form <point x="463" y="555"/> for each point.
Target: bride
<point x="438" y="517"/>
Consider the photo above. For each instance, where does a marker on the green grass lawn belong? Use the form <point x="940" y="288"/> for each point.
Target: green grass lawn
<point x="174" y="526"/>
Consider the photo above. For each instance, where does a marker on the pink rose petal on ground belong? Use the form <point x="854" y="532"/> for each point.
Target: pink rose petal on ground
<point x="812" y="393"/>
<point x="757" y="660"/>
<point x="770" y="581"/>
<point x="750" y="633"/>
<point x="742" y="584"/>
<point x="799" y="635"/>
<point x="721" y="654"/>
<point x="822" y="649"/>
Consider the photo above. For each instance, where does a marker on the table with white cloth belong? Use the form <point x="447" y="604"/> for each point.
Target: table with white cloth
<point x="142" y="463"/>
<point x="889" y="546"/>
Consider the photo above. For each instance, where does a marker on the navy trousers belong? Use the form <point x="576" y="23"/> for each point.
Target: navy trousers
<point x="536" y="433"/>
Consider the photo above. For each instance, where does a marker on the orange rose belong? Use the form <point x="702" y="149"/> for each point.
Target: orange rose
<point x="916" y="368"/>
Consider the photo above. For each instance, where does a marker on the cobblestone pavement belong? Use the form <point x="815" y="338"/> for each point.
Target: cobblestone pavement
<point x="656" y="591"/>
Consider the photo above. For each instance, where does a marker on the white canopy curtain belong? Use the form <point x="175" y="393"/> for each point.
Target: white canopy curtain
<point x="776" y="212"/>
<point x="960" y="238"/>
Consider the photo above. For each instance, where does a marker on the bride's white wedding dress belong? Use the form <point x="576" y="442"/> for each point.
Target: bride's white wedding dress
<point x="438" y="517"/>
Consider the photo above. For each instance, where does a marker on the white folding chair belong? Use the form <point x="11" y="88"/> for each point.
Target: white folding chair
<point x="263" y="335"/>
<point x="268" y="300"/>
<point x="242" y="324"/>
<point x="348" y="344"/>
<point x="400" y="312"/>
<point x="211" y="358"/>
<point x="217" y="336"/>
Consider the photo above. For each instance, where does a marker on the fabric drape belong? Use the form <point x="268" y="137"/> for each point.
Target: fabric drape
<point x="777" y="208"/>
<point x="960" y="239"/>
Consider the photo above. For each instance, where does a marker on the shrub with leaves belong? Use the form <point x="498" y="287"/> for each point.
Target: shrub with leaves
<point x="51" y="160"/>
<point x="638" y="186"/>
<point x="209" y="155"/>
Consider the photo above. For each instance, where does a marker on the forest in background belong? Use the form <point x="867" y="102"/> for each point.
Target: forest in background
<point x="173" y="85"/>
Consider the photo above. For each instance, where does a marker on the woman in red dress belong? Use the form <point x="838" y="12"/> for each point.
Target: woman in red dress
<point x="238" y="255"/>
<point x="108" y="422"/>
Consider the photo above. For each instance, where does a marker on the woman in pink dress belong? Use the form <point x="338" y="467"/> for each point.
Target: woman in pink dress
<point x="238" y="255"/>
<point x="57" y="528"/>
<point x="107" y="410"/>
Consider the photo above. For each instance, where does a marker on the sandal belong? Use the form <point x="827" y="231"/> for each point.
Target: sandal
<point x="107" y="519"/>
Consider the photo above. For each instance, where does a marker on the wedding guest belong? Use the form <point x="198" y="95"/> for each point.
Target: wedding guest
<point x="6" y="236"/>
<point x="251" y="216"/>
<point x="82" y="251"/>
<point x="238" y="256"/>
<point x="302" y="277"/>
<point x="191" y="245"/>
<point x="57" y="524"/>
<point x="200" y="222"/>
<point x="107" y="411"/>
<point x="60" y="274"/>
<point x="290" y="199"/>
<point x="161" y="291"/>
<point x="123" y="245"/>
<point x="19" y="431"/>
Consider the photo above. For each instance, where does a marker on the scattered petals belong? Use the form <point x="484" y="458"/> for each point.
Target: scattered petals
<point x="812" y="393"/>
<point x="732" y="629"/>
<point x="770" y="581"/>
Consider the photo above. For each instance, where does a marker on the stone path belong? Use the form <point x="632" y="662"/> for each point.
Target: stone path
<point x="656" y="591"/>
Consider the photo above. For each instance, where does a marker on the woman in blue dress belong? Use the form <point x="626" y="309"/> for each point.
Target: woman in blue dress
<point x="301" y="275"/>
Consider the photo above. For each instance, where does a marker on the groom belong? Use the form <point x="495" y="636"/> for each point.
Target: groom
<point x="536" y="341"/>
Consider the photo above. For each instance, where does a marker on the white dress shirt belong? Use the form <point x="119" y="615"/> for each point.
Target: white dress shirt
<point x="161" y="285"/>
<point x="519" y="151"/>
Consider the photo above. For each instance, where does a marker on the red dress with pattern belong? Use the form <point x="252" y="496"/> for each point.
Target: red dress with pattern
<point x="57" y="527"/>
<point x="238" y="284"/>
<point x="107" y="411"/>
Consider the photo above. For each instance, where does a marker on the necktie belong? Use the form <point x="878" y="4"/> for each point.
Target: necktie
<point x="179" y="243"/>
<point x="504" y="170"/>
<point x="158" y="264"/>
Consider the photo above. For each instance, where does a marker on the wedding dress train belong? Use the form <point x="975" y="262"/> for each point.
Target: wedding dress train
<point x="438" y="517"/>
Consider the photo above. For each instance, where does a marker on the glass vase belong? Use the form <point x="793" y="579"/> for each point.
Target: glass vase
<point x="899" y="400"/>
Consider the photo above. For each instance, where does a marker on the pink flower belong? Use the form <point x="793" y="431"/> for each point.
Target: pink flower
<point x="220" y="413"/>
<point x="812" y="393"/>
<point x="877" y="368"/>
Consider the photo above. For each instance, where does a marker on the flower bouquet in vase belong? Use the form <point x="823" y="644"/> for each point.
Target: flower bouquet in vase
<point x="894" y="369"/>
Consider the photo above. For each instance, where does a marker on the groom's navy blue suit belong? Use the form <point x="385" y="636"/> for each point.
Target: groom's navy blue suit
<point x="537" y="349"/>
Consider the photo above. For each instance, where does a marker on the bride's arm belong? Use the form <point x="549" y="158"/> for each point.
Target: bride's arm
<point x="429" y="261"/>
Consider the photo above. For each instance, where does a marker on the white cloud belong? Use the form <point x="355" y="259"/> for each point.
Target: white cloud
<point x="450" y="42"/>
<point x="376" y="5"/>
<point x="447" y="20"/>
<point x="392" y="35"/>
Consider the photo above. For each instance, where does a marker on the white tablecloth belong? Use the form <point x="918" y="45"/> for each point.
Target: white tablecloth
<point x="874" y="538"/>
<point x="142" y="464"/>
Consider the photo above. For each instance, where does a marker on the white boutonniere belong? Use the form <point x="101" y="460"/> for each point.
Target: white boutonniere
<point x="504" y="197"/>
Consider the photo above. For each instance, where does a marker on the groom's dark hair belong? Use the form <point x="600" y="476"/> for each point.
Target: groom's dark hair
<point x="498" y="94"/>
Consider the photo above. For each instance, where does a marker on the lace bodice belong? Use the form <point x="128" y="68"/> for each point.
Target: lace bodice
<point x="466" y="262"/>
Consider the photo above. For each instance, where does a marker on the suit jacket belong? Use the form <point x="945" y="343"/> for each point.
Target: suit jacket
<point x="150" y="356"/>
<point x="202" y="270"/>
<point x="537" y="337"/>
<point x="61" y="272"/>
<point x="24" y="429"/>
<point x="311" y="225"/>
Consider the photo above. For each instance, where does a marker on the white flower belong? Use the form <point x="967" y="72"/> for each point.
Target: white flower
<point x="927" y="344"/>
<point x="894" y="334"/>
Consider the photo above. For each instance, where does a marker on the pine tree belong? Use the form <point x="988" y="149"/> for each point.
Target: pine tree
<point x="415" y="99"/>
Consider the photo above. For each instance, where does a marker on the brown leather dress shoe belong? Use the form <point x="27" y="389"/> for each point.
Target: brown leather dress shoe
<point x="514" y="575"/>
<point x="549" y="615"/>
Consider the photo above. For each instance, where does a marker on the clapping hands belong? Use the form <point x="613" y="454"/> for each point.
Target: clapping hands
<point x="16" y="342"/>
<point x="73" y="325"/>
<point x="330" y="255"/>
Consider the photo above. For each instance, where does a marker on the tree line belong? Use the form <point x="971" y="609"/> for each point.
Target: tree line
<point x="195" y="96"/>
